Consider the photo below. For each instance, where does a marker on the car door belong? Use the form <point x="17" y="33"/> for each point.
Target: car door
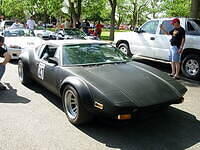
<point x="144" y="42"/>
<point x="47" y="72"/>
<point x="163" y="41"/>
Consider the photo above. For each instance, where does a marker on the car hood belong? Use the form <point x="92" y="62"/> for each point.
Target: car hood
<point x="43" y="32"/>
<point x="23" y="42"/>
<point x="134" y="82"/>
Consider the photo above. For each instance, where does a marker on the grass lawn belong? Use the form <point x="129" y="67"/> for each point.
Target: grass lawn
<point x="106" y="33"/>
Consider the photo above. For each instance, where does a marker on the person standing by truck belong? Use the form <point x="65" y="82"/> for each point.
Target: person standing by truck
<point x="176" y="46"/>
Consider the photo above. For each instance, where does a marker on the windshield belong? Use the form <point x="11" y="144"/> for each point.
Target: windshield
<point x="92" y="54"/>
<point x="74" y="32"/>
<point x="18" y="32"/>
<point x="197" y="22"/>
<point x="9" y="23"/>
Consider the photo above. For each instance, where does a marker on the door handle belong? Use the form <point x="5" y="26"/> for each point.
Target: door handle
<point x="152" y="38"/>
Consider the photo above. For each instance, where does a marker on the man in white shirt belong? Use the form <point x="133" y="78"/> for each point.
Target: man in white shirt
<point x="31" y="23"/>
<point x="16" y="24"/>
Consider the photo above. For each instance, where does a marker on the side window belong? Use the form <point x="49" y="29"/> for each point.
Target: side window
<point x="48" y="51"/>
<point x="39" y="49"/>
<point x="192" y="28"/>
<point x="150" y="27"/>
<point x="167" y="26"/>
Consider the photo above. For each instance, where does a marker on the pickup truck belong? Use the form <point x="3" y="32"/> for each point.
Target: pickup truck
<point x="149" y="41"/>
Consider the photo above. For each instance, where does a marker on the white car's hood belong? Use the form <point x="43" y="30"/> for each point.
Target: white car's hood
<point x="43" y="32"/>
<point x="23" y="42"/>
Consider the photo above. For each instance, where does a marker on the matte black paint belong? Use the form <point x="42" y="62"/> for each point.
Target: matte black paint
<point x="120" y="87"/>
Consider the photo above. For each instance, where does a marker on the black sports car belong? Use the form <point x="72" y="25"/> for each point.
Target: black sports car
<point x="94" y="78"/>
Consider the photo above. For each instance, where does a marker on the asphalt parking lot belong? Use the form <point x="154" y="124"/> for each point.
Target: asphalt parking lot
<point x="32" y="118"/>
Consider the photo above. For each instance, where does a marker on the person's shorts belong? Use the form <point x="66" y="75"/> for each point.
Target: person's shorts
<point x="174" y="56"/>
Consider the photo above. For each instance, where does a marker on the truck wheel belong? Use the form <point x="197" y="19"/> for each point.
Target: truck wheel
<point x="73" y="107"/>
<point x="125" y="49"/>
<point x="191" y="67"/>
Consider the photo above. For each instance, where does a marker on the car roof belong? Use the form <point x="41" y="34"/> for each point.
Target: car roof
<point x="74" y="42"/>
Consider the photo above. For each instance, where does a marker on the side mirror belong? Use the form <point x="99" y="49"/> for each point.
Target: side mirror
<point x="53" y="60"/>
<point x="136" y="29"/>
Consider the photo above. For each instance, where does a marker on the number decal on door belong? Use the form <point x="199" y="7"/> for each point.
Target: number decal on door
<point x="41" y="68"/>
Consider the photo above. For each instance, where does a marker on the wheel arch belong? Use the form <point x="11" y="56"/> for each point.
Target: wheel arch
<point x="24" y="57"/>
<point x="122" y="41"/>
<point x="189" y="51"/>
<point x="81" y="87"/>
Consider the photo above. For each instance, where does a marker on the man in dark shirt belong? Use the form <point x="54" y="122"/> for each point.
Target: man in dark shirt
<point x="177" y="42"/>
<point x="6" y="56"/>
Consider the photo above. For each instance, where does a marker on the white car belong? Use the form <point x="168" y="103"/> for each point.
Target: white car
<point x="5" y="24"/>
<point x="150" y="41"/>
<point x="45" y="34"/>
<point x="17" y="40"/>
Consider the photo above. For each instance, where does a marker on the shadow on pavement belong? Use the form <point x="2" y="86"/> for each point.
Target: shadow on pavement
<point x="47" y="94"/>
<point x="173" y="130"/>
<point x="165" y="67"/>
<point x="10" y="96"/>
<point x="14" y="62"/>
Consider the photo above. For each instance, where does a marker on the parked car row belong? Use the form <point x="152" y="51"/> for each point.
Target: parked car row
<point x="18" y="39"/>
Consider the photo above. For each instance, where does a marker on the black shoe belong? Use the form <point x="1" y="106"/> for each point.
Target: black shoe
<point x="171" y="75"/>
<point x="176" y="77"/>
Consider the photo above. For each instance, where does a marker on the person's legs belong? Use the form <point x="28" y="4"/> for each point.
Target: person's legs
<point x="177" y="69"/>
<point x="171" y="55"/>
<point x="173" y="67"/>
<point x="176" y="60"/>
<point x="2" y="70"/>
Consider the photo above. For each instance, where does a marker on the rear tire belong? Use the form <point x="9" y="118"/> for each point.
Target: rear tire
<point x="191" y="66"/>
<point x="73" y="107"/>
<point x="125" y="49"/>
<point x="23" y="73"/>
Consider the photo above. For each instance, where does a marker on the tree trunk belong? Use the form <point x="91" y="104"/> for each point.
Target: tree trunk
<point x="113" y="4"/>
<point x="195" y="9"/>
<point x="75" y="12"/>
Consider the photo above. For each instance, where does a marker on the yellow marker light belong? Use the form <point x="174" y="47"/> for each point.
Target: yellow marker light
<point x="124" y="117"/>
<point x="98" y="105"/>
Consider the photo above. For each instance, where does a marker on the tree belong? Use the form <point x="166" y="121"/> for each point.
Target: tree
<point x="176" y="8"/>
<point x="92" y="10"/>
<point x="195" y="9"/>
<point x="73" y="8"/>
<point x="13" y="8"/>
<point x="113" y="4"/>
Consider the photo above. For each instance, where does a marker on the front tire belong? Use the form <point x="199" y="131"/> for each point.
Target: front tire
<point x="191" y="67"/>
<point x="23" y="73"/>
<point x="73" y="107"/>
<point x="125" y="49"/>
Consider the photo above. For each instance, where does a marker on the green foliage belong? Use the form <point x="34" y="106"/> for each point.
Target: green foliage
<point x="95" y="10"/>
<point x="22" y="8"/>
<point x="173" y="8"/>
<point x="13" y="8"/>
<point x="128" y="11"/>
